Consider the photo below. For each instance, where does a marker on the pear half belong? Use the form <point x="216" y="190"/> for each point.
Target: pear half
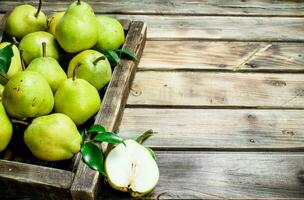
<point x="131" y="168"/>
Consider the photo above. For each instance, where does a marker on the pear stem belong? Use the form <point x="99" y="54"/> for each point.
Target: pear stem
<point x="98" y="59"/>
<point x="14" y="41"/>
<point x="78" y="2"/>
<point x="16" y="121"/>
<point x="43" y="49"/>
<point x="22" y="60"/>
<point x="75" y="71"/>
<point x="39" y="8"/>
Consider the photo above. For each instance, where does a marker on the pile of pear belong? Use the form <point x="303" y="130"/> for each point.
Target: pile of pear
<point x="55" y="100"/>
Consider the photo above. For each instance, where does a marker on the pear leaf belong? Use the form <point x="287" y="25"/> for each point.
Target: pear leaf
<point x="6" y="55"/>
<point x="3" y="78"/>
<point x="96" y="128"/>
<point x="153" y="154"/>
<point x="109" y="137"/>
<point x="126" y="52"/>
<point x="140" y="139"/>
<point x="93" y="157"/>
<point x="112" y="56"/>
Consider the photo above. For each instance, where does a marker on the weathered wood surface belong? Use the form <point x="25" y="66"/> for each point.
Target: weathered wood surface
<point x="85" y="184"/>
<point x="19" y="179"/>
<point x="179" y="7"/>
<point x="220" y="175"/>
<point x="222" y="27"/>
<point x="202" y="89"/>
<point x="207" y="129"/>
<point x="221" y="56"/>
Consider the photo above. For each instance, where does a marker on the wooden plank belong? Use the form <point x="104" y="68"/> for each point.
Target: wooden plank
<point x="220" y="175"/>
<point x="203" y="89"/>
<point x="181" y="7"/>
<point x="20" y="179"/>
<point x="237" y="129"/>
<point x="221" y="27"/>
<point x="85" y="184"/>
<point x="204" y="55"/>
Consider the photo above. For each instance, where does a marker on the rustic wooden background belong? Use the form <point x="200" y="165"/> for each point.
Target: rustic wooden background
<point x="222" y="82"/>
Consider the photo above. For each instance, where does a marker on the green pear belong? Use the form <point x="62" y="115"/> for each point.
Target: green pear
<point x="15" y="65"/>
<point x="93" y="66"/>
<point x="77" y="30"/>
<point x="53" y="137"/>
<point x="110" y="34"/>
<point x="25" y="19"/>
<point x="27" y="94"/>
<point x="30" y="45"/>
<point x="49" y="68"/>
<point x="6" y="129"/>
<point x="53" y="21"/>
<point x="1" y="91"/>
<point x="131" y="168"/>
<point x="78" y="99"/>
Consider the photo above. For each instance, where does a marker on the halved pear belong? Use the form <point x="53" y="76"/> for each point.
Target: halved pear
<point x="131" y="168"/>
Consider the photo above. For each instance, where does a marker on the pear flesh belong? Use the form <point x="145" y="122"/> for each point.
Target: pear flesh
<point x="22" y="21"/>
<point x="15" y="65"/>
<point x="27" y="94"/>
<point x="77" y="30"/>
<point x="78" y="99"/>
<point x="30" y="45"/>
<point x="131" y="168"/>
<point x="6" y="128"/>
<point x="53" y="137"/>
<point x="90" y="68"/>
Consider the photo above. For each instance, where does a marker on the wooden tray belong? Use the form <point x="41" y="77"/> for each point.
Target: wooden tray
<point x="26" y="177"/>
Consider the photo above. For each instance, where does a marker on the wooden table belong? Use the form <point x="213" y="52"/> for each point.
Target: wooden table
<point x="222" y="83"/>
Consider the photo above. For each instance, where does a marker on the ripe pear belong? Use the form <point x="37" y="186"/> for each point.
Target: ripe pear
<point x="110" y="34"/>
<point x="53" y="137"/>
<point x="93" y="66"/>
<point x="49" y="68"/>
<point x="77" y="30"/>
<point x="6" y="128"/>
<point x="25" y="19"/>
<point x="1" y="91"/>
<point x="131" y="168"/>
<point x="30" y="45"/>
<point x="15" y="65"/>
<point x="27" y="94"/>
<point x="78" y="99"/>
<point x="53" y="21"/>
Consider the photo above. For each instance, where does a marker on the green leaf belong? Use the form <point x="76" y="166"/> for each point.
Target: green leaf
<point x="126" y="52"/>
<point x="93" y="157"/>
<point x="82" y="132"/>
<point x="112" y="56"/>
<point x="153" y="154"/>
<point x="96" y="128"/>
<point x="109" y="137"/>
<point x="3" y="78"/>
<point x="140" y="139"/>
<point x="6" y="55"/>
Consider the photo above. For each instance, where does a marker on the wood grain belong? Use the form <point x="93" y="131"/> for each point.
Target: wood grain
<point x="207" y="129"/>
<point x="180" y="7"/>
<point x="219" y="175"/>
<point x="86" y="181"/>
<point x="240" y="56"/>
<point x="222" y="27"/>
<point x="20" y="179"/>
<point x="204" y="89"/>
